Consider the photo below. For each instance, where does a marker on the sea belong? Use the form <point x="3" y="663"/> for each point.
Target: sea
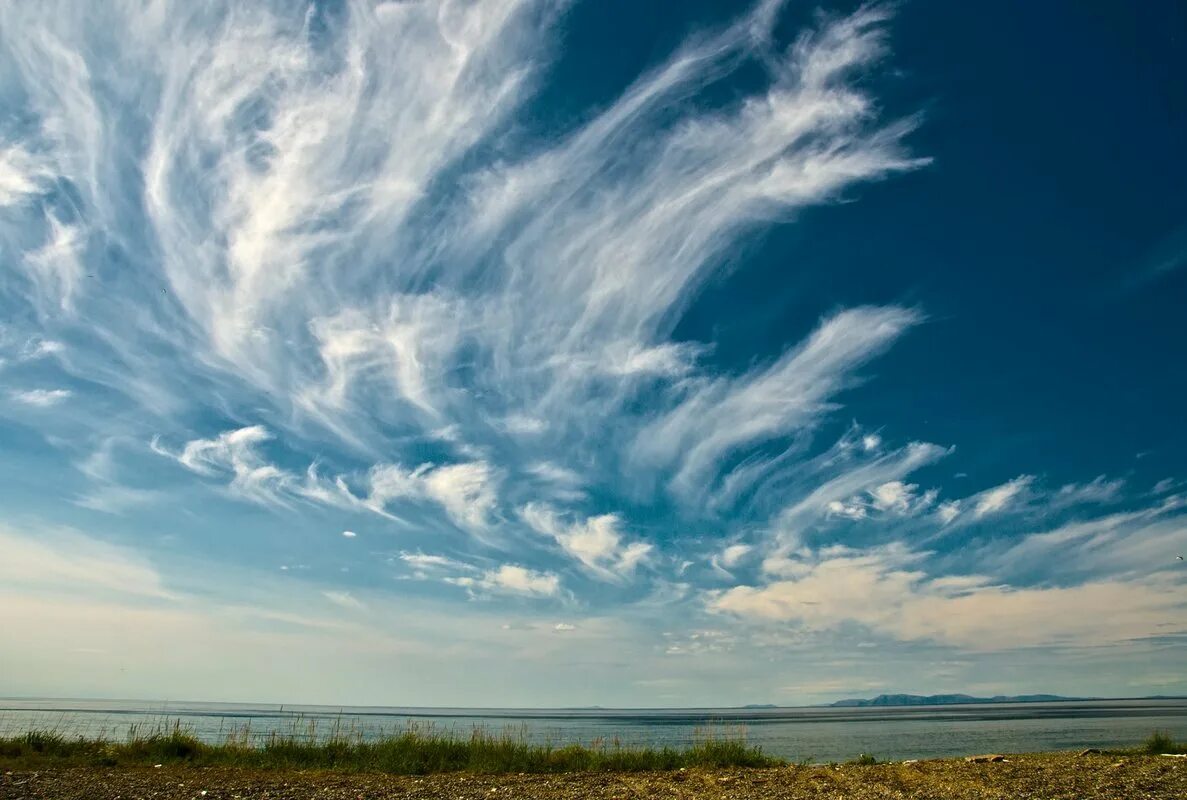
<point x="816" y="734"/>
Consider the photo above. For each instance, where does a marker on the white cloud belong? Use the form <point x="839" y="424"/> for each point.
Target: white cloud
<point x="407" y="349"/>
<point x="112" y="499"/>
<point x="556" y="474"/>
<point x="948" y="511"/>
<point x="41" y="398"/>
<point x="235" y="452"/>
<point x="550" y="481"/>
<point x="847" y="510"/>
<point x="887" y="592"/>
<point x="344" y="600"/>
<point x="423" y="562"/>
<point x="512" y="579"/>
<point x="41" y="348"/>
<point x="596" y="542"/>
<point x="729" y="557"/>
<point x="669" y="360"/>
<point x="699" y="642"/>
<point x="56" y="267"/>
<point x="349" y="534"/>
<point x="362" y="142"/>
<point x="1022" y="494"/>
<point x="1132" y="544"/>
<point x="894" y="498"/>
<point x="465" y="491"/>
<point x="563" y="627"/>
<point x="873" y="484"/>
<point x="1099" y="490"/>
<point x="733" y="555"/>
<point x="523" y="425"/>
<point x="233" y="449"/>
<point x="1001" y="498"/>
<point x="22" y="174"/>
<point x="900" y="498"/>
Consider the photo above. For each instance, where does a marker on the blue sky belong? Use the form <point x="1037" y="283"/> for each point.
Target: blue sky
<point x="516" y="353"/>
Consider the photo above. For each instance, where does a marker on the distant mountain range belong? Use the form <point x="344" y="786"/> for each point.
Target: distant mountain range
<point x="947" y="700"/>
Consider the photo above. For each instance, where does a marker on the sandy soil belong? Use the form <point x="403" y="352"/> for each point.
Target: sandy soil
<point x="1033" y="776"/>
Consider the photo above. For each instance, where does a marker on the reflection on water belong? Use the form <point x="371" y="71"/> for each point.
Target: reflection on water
<point x="820" y="734"/>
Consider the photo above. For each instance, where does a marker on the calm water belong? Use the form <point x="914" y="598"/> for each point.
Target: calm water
<point x="819" y="734"/>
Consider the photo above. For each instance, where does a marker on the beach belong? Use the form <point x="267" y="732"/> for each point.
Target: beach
<point x="1064" y="775"/>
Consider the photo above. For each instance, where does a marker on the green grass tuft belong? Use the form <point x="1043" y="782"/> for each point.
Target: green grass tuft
<point x="1161" y="742"/>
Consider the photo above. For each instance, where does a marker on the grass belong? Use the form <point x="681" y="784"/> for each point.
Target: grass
<point x="415" y="751"/>
<point x="1161" y="742"/>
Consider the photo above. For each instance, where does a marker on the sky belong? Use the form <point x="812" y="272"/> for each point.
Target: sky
<point x="520" y="353"/>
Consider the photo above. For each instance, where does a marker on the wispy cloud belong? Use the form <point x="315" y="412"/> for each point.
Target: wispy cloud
<point x="1137" y="543"/>
<point x="791" y="394"/>
<point x="465" y="491"/>
<point x="730" y="557"/>
<point x="22" y="174"/>
<point x="424" y="564"/>
<point x="893" y="497"/>
<point x="65" y="561"/>
<point x="1001" y="498"/>
<point x="271" y="149"/>
<point x="344" y="600"/>
<point x="1099" y="490"/>
<point x="859" y="487"/>
<point x="236" y="452"/>
<point x="1167" y="256"/>
<point x="41" y="398"/>
<point x="116" y="499"/>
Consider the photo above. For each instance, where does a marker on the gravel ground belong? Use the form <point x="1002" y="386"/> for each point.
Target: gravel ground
<point x="1034" y="776"/>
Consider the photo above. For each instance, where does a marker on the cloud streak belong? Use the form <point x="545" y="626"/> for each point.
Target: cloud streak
<point x="339" y="240"/>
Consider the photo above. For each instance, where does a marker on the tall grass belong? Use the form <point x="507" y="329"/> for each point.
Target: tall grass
<point x="413" y="751"/>
<point x="1161" y="742"/>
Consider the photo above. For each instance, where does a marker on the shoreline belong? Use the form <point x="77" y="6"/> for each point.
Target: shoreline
<point x="1090" y="776"/>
